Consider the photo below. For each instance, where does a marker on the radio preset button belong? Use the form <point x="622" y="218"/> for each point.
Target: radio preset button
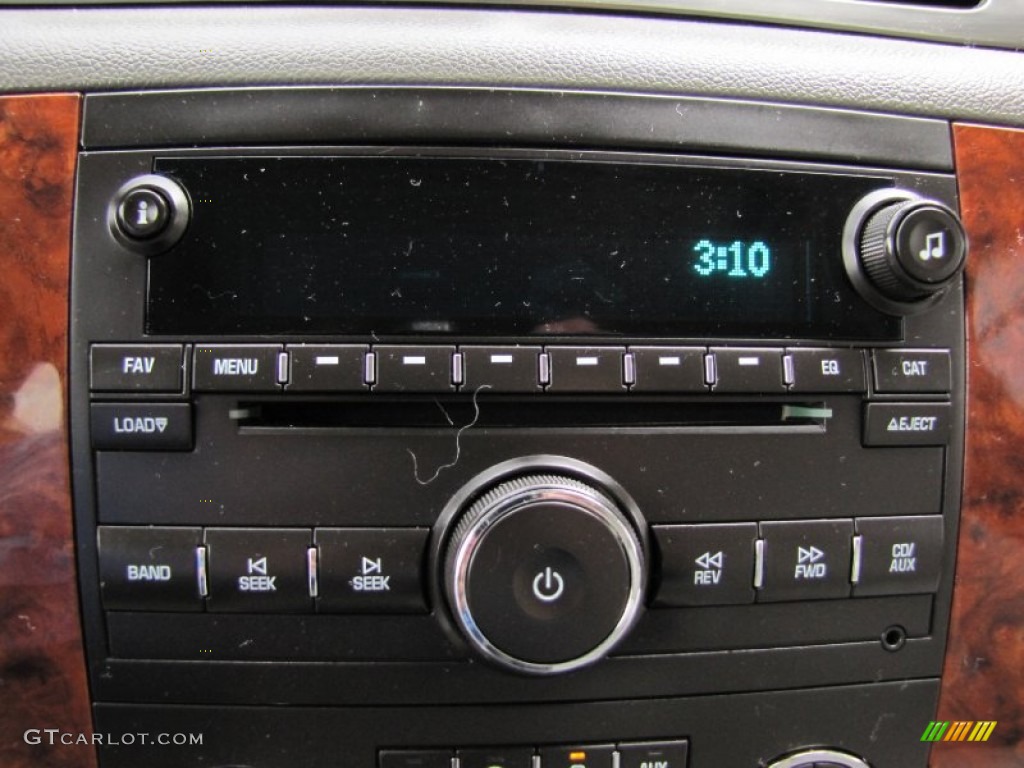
<point x="327" y="367"/>
<point x="669" y="369"/>
<point x="502" y="369"/>
<point x="827" y="370"/>
<point x="586" y="369"/>
<point x="705" y="564"/>
<point x="748" y="370"/>
<point x="370" y="570"/>
<point x="910" y="370"/>
<point x="243" y="368"/>
<point x="258" y="570"/>
<point x="806" y="560"/>
<point x="414" y="368"/>
<point x="149" y="569"/>
<point x="899" y="555"/>
<point x="888" y="424"/>
<point x="141" y="426"/>
<point x="136" y="367"/>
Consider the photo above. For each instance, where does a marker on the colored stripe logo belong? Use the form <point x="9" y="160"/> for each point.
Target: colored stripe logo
<point x="959" y="730"/>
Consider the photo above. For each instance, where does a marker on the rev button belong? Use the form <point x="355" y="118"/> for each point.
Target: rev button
<point x="141" y="426"/>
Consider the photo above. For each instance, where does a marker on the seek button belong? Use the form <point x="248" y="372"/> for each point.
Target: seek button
<point x="370" y="570"/>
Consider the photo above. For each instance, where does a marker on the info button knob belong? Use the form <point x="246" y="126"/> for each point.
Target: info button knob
<point x="544" y="574"/>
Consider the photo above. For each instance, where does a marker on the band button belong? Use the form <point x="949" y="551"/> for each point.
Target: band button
<point x="149" y="569"/>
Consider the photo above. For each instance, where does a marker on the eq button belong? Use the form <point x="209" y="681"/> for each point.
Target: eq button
<point x="806" y="560"/>
<point x="826" y="370"/>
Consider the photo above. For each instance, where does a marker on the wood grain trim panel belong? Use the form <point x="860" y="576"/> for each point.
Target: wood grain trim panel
<point x="43" y="680"/>
<point x="984" y="672"/>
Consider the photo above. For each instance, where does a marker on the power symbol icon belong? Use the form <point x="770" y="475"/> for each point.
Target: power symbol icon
<point x="548" y="585"/>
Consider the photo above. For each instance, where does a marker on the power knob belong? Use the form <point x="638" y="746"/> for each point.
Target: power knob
<point x="903" y="251"/>
<point x="544" y="573"/>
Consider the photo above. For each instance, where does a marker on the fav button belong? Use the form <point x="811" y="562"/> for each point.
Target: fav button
<point x="899" y="555"/>
<point x="370" y="570"/>
<point x="149" y="569"/>
<point x="244" y="368"/>
<point x="135" y="368"/>
<point x="258" y="570"/>
<point x="141" y="426"/>
<point x="806" y="560"/>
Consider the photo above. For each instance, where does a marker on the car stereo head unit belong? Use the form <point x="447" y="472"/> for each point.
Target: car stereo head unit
<point x="645" y="443"/>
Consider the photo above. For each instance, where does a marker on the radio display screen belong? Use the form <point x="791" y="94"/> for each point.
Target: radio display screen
<point x="371" y="245"/>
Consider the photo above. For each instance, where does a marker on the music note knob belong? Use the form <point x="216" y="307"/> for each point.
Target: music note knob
<point x="903" y="251"/>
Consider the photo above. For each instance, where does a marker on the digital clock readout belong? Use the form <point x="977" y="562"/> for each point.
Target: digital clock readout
<point x="737" y="260"/>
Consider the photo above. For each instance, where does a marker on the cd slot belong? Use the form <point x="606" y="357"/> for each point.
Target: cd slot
<point x="460" y="413"/>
